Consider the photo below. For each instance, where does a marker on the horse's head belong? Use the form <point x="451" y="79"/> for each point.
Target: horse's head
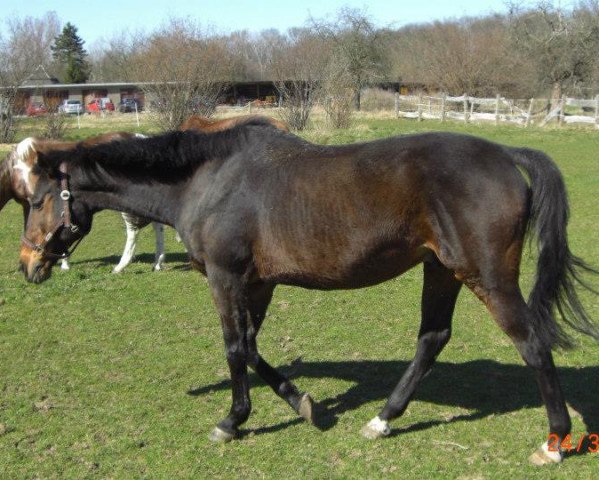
<point x="57" y="221"/>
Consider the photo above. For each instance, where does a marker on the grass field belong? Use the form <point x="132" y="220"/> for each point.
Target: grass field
<point x="124" y="376"/>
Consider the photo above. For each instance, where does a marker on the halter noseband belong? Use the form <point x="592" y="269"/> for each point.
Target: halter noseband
<point x="65" y="221"/>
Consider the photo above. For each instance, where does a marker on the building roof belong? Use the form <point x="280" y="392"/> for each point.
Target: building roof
<point x="40" y="77"/>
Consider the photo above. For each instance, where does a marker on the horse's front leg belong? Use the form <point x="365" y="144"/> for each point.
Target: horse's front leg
<point x="229" y="292"/>
<point x="259" y="297"/>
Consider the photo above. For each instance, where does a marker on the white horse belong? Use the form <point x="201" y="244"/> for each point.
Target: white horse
<point x="133" y="225"/>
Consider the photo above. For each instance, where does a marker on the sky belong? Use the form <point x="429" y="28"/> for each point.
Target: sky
<point x="104" y="19"/>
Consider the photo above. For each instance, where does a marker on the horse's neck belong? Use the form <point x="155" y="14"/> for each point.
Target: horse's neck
<point x="157" y="201"/>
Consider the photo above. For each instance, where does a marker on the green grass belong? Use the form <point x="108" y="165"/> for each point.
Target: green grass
<point x="124" y="376"/>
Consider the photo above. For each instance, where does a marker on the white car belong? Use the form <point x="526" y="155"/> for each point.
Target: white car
<point x="71" y="106"/>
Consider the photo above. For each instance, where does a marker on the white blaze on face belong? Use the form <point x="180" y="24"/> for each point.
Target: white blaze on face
<point x="23" y="161"/>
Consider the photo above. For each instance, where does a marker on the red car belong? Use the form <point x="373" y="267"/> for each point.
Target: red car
<point x="36" y="108"/>
<point x="99" y="105"/>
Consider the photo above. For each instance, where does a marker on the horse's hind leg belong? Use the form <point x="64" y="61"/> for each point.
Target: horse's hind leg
<point x="159" y="255"/>
<point x="129" y="250"/>
<point x="439" y="294"/>
<point x="515" y="318"/>
<point x="259" y="299"/>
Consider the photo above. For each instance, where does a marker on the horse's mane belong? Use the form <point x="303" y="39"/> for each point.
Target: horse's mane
<point x="172" y="154"/>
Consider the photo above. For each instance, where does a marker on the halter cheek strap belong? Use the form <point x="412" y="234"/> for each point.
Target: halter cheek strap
<point x="65" y="221"/>
<point x="65" y="195"/>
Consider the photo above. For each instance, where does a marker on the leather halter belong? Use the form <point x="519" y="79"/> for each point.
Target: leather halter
<point x="64" y="222"/>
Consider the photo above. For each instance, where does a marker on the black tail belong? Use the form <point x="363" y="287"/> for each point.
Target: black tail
<point x="558" y="270"/>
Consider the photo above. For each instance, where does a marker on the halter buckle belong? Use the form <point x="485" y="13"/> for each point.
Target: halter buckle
<point x="65" y="195"/>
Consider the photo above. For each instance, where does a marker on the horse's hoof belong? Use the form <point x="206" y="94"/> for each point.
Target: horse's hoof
<point x="218" y="435"/>
<point x="306" y="408"/>
<point x="376" y="428"/>
<point x="544" y="456"/>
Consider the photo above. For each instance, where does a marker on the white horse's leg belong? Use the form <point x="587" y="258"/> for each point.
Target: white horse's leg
<point x="179" y="239"/>
<point x="132" y="231"/>
<point x="159" y="257"/>
<point x="64" y="264"/>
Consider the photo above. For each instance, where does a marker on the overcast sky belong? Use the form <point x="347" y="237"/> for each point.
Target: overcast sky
<point x="96" y="20"/>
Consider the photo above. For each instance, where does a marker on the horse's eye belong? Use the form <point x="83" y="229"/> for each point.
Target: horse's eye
<point x="36" y="205"/>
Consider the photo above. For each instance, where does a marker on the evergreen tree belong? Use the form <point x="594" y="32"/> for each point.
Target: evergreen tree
<point x="68" y="51"/>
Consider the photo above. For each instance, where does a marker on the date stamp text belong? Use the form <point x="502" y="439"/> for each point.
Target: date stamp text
<point x="586" y="442"/>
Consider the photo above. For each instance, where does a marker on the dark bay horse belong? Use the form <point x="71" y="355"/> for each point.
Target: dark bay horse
<point x="257" y="207"/>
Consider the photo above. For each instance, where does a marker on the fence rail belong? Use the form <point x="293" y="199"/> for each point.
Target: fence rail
<point x="499" y="109"/>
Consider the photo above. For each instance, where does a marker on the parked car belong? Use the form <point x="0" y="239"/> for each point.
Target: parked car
<point x="100" y="105"/>
<point x="71" y="106"/>
<point x="35" y="109"/>
<point x="129" y="105"/>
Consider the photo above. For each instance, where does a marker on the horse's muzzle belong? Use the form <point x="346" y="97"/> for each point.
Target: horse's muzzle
<point x="35" y="269"/>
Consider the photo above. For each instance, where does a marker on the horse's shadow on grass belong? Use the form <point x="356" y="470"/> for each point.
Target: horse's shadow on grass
<point x="484" y="387"/>
<point x="172" y="261"/>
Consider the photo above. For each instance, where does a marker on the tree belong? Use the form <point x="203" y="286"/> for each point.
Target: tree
<point x="25" y="47"/>
<point x="561" y="45"/>
<point x="464" y="56"/>
<point x="184" y="71"/>
<point x="355" y="39"/>
<point x="69" y="53"/>
<point x="297" y="66"/>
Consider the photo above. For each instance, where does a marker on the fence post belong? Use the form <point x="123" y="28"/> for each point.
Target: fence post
<point x="396" y="104"/>
<point x="597" y="110"/>
<point x="443" y="106"/>
<point x="466" y="116"/>
<point x="420" y="107"/>
<point x="497" y="109"/>
<point x="561" y="114"/>
<point x="527" y="123"/>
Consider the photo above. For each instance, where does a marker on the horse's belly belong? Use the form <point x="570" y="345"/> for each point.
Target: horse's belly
<point x="337" y="272"/>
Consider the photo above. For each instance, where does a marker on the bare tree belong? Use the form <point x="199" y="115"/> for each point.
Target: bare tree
<point x="354" y="37"/>
<point x="113" y="59"/>
<point x="337" y="93"/>
<point x="183" y="71"/>
<point x="470" y="55"/>
<point x="25" y="48"/>
<point x="297" y="65"/>
<point x="55" y="122"/>
<point x="561" y="45"/>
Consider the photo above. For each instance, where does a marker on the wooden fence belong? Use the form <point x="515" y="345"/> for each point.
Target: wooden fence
<point x="499" y="109"/>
